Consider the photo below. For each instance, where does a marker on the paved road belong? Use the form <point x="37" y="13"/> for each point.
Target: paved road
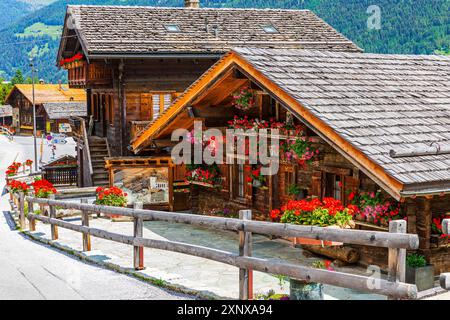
<point x="29" y="270"/>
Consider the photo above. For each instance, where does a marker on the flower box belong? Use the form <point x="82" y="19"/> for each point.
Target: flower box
<point x="203" y="184"/>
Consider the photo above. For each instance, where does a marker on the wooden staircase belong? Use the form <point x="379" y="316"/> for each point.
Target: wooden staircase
<point x="99" y="151"/>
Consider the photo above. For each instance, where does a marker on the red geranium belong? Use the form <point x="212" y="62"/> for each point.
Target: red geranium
<point x="43" y="188"/>
<point x="17" y="186"/>
<point x="114" y="197"/>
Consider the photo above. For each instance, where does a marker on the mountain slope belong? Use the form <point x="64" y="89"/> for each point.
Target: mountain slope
<point x="404" y="29"/>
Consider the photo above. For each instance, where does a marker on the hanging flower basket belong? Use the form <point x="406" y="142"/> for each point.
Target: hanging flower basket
<point x="244" y="99"/>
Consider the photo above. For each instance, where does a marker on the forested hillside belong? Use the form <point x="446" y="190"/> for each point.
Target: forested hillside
<point x="407" y="26"/>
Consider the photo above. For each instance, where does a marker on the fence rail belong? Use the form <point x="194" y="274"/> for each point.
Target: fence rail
<point x="396" y="240"/>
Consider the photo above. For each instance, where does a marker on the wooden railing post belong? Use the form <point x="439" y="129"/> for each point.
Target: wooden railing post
<point x="52" y="214"/>
<point x="85" y="223"/>
<point x="245" y="250"/>
<point x="22" y="209"/>
<point x="31" y="221"/>
<point x="397" y="257"/>
<point x="138" y="232"/>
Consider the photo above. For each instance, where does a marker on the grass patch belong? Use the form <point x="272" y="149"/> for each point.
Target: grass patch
<point x="40" y="29"/>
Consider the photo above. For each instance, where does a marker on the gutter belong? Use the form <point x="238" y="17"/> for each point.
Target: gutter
<point x="156" y="56"/>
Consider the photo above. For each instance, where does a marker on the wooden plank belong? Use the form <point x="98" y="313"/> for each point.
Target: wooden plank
<point x="52" y="214"/>
<point x="138" y="231"/>
<point x="397" y="257"/>
<point x="363" y="237"/>
<point x="245" y="250"/>
<point x="85" y="222"/>
<point x="356" y="282"/>
<point x="31" y="222"/>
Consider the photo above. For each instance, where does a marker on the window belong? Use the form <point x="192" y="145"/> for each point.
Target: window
<point x="333" y="186"/>
<point x="162" y="101"/>
<point x="270" y="29"/>
<point x="237" y="182"/>
<point x="172" y="28"/>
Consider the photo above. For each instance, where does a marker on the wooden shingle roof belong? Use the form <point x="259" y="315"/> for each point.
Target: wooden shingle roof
<point x="119" y="30"/>
<point x="49" y="93"/>
<point x="376" y="102"/>
<point x="65" y="110"/>
<point x="379" y="109"/>
<point x="6" y="111"/>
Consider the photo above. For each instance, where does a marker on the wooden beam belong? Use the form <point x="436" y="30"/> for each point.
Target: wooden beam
<point x="362" y="237"/>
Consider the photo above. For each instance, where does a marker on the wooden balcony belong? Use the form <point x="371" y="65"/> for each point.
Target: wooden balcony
<point x="136" y="128"/>
<point x="78" y="74"/>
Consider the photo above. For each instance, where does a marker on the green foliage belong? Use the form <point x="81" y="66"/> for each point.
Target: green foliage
<point x="294" y="190"/>
<point x="416" y="261"/>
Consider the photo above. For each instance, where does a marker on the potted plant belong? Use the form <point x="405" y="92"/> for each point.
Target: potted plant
<point x="113" y="197"/>
<point x="43" y="189"/>
<point x="418" y="272"/>
<point x="313" y="212"/>
<point x="244" y="99"/>
<point x="304" y="290"/>
<point x="29" y="163"/>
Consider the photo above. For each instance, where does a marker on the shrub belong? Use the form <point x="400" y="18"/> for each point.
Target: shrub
<point x="416" y="261"/>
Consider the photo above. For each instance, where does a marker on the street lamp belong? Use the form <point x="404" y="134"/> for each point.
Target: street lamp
<point x="33" y="71"/>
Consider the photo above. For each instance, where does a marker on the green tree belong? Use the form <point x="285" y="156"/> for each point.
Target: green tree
<point x="18" y="78"/>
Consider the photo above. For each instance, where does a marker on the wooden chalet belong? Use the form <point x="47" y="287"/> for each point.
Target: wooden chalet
<point x="55" y="104"/>
<point x="135" y="61"/>
<point x="379" y="121"/>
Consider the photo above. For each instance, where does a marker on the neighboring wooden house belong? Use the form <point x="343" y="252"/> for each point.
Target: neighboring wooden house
<point x="379" y="121"/>
<point x="54" y="105"/>
<point x="135" y="61"/>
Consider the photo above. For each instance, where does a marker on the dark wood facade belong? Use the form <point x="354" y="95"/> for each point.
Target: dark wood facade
<point x="124" y="96"/>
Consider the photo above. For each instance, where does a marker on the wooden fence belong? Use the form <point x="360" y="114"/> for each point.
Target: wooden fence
<point x="396" y="240"/>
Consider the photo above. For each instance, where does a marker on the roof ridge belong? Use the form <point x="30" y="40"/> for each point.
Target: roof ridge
<point x="184" y="8"/>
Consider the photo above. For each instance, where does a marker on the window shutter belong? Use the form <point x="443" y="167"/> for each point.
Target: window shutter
<point x="316" y="188"/>
<point x="146" y="106"/>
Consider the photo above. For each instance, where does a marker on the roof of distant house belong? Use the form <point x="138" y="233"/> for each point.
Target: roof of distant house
<point x="65" y="110"/>
<point x="390" y="112"/>
<point x="45" y="93"/>
<point x="134" y="30"/>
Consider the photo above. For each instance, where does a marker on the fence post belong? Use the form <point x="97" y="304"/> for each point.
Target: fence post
<point x="138" y="232"/>
<point x="52" y="214"/>
<point x="22" y="209"/>
<point x="245" y="250"/>
<point x="397" y="257"/>
<point x="31" y="221"/>
<point x="85" y="223"/>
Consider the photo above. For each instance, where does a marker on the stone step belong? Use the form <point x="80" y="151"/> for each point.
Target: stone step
<point x="101" y="183"/>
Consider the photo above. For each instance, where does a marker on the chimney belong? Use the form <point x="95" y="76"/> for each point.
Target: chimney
<point x="192" y="4"/>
